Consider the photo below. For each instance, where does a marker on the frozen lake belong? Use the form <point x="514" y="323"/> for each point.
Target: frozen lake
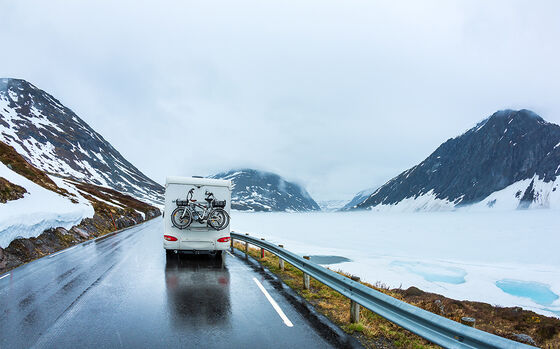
<point x="509" y="258"/>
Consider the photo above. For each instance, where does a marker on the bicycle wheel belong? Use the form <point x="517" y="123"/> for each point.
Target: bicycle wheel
<point x="225" y="222"/>
<point x="218" y="219"/>
<point x="181" y="223"/>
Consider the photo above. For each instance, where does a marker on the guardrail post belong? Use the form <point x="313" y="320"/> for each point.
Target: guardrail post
<point x="469" y="321"/>
<point x="246" y="248"/>
<point x="280" y="260"/>
<point x="262" y="250"/>
<point x="306" y="278"/>
<point x="231" y="244"/>
<point x="354" y="307"/>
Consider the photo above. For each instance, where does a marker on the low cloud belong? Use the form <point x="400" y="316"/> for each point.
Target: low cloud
<point x="339" y="96"/>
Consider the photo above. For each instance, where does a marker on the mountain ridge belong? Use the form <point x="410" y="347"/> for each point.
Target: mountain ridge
<point x="506" y="148"/>
<point x="54" y="139"/>
<point x="262" y="191"/>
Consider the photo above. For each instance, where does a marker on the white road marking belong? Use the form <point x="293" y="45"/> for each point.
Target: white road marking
<point x="1" y="277"/>
<point x="229" y="253"/>
<point x="275" y="305"/>
<point x="52" y="255"/>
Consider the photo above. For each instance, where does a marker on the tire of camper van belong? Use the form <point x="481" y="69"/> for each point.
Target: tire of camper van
<point x="181" y="223"/>
<point x="218" y="219"/>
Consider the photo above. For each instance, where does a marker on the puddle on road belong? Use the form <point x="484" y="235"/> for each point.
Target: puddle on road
<point x="325" y="260"/>
<point x="537" y="292"/>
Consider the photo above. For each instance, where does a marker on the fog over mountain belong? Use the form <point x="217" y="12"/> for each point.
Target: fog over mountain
<point x="259" y="191"/>
<point x="338" y="96"/>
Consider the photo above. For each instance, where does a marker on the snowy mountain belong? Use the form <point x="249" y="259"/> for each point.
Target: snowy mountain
<point x="358" y="198"/>
<point x="264" y="191"/>
<point x="509" y="160"/>
<point x="32" y="202"/>
<point x="54" y="139"/>
<point x="331" y="205"/>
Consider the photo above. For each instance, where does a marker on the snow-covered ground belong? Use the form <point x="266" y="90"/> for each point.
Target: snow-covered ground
<point x="38" y="210"/>
<point x="506" y="258"/>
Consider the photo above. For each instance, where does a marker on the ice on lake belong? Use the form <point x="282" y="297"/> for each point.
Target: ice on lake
<point x="461" y="255"/>
<point x="539" y="293"/>
<point x="327" y="260"/>
<point x="433" y="272"/>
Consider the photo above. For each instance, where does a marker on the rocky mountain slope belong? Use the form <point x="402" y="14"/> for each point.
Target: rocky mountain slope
<point x="266" y="192"/>
<point x="55" y="140"/>
<point x="509" y="160"/>
<point x="358" y="198"/>
<point x="43" y="213"/>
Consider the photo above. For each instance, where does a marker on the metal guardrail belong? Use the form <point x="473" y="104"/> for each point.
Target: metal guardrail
<point x="436" y="329"/>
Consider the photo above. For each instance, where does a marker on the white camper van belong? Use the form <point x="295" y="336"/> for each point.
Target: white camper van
<point x="196" y="215"/>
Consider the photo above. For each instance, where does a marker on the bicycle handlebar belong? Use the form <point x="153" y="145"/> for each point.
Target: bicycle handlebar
<point x="207" y="193"/>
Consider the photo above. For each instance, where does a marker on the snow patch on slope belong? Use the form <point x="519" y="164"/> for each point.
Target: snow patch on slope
<point x="38" y="210"/>
<point x="424" y="202"/>
<point x="546" y="195"/>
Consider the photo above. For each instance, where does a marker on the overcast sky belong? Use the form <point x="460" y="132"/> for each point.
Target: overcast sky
<point x="336" y="95"/>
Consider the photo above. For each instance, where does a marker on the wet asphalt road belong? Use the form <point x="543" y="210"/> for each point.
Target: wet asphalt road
<point x="120" y="291"/>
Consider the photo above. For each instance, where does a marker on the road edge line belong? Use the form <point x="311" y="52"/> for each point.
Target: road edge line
<point x="275" y="305"/>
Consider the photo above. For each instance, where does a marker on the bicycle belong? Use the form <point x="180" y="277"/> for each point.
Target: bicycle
<point x="189" y="210"/>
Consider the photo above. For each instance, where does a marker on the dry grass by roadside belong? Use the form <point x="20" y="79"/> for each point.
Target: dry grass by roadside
<point x="373" y="329"/>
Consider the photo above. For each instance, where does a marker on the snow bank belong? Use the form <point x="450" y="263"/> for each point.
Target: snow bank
<point x="460" y="254"/>
<point x="38" y="210"/>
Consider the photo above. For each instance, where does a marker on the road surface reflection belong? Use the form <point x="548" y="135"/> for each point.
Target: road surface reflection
<point x="198" y="291"/>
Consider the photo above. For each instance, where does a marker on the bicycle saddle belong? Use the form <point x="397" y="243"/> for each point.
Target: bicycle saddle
<point x="193" y="200"/>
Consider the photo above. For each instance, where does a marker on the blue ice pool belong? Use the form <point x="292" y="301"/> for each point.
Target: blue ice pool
<point x="539" y="293"/>
<point x="433" y="272"/>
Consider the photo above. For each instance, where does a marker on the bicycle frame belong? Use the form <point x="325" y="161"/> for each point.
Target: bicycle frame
<point x="206" y="209"/>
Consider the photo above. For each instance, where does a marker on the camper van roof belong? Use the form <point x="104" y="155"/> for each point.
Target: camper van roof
<point x="198" y="181"/>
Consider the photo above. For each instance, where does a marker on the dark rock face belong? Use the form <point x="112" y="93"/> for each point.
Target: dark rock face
<point x="266" y="192"/>
<point x="54" y="139"/>
<point x="508" y="147"/>
<point x="10" y="191"/>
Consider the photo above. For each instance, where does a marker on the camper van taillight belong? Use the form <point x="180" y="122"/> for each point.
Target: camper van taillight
<point x="226" y="239"/>
<point x="170" y="238"/>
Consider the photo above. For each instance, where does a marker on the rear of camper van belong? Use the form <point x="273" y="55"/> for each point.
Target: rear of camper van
<point x="198" y="237"/>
